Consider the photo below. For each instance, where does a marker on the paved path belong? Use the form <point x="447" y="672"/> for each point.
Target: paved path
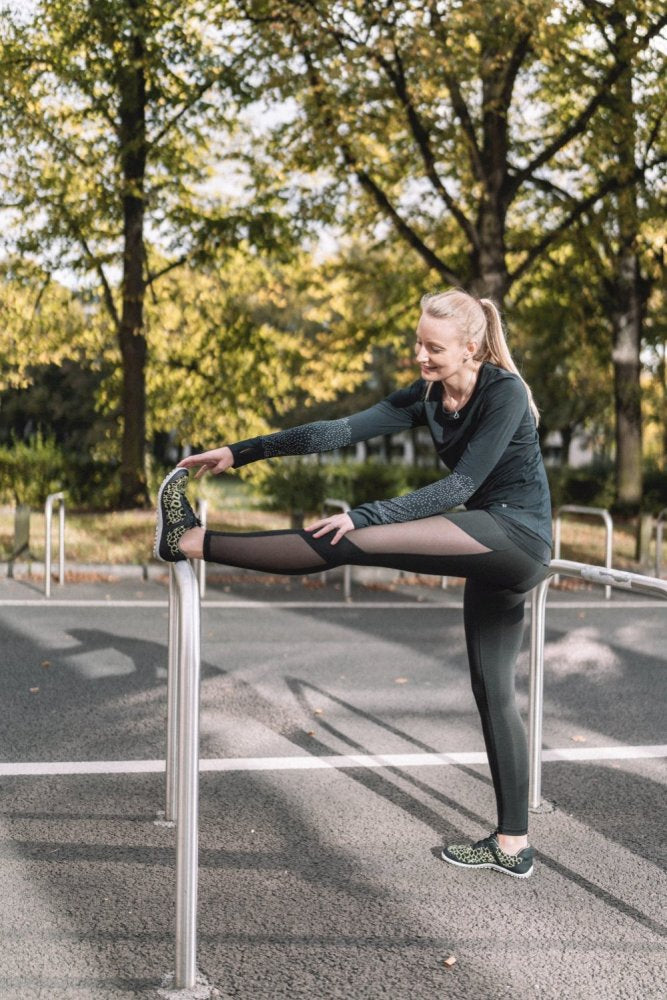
<point x="325" y="881"/>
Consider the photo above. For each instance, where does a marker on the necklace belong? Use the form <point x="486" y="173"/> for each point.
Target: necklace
<point x="454" y="414"/>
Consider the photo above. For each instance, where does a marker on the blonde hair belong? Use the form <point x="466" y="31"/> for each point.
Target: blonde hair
<point x="480" y="323"/>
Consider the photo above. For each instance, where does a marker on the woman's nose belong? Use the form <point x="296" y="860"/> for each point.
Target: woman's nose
<point x="422" y="356"/>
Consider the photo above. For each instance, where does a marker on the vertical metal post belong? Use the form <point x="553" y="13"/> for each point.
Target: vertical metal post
<point x="172" y="701"/>
<point x="61" y="543"/>
<point x="187" y="824"/>
<point x="658" y="541"/>
<point x="48" y="517"/>
<point x="202" y="513"/>
<point x="48" y="524"/>
<point x="536" y="695"/>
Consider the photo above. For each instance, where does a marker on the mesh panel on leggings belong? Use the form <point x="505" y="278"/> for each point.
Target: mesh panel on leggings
<point x="268" y="551"/>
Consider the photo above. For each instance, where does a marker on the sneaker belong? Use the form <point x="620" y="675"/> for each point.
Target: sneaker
<point x="487" y="854"/>
<point x="175" y="516"/>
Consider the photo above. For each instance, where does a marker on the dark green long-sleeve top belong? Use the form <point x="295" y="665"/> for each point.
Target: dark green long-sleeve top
<point x="491" y="447"/>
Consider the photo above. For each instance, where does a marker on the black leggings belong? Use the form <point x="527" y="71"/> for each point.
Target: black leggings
<point x="498" y="574"/>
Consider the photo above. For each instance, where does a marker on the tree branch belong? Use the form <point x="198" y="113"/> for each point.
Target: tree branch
<point x="152" y="278"/>
<point x="458" y="101"/>
<point x="611" y="184"/>
<point x="368" y="184"/>
<point x="422" y="138"/>
<point x="580" y="123"/>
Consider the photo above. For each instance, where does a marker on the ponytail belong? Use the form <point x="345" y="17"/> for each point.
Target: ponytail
<point x="494" y="349"/>
<point x="480" y="323"/>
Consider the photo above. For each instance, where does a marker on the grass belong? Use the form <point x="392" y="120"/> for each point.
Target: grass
<point x="127" y="536"/>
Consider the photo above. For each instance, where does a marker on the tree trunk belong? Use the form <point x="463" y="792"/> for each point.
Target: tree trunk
<point x="627" y="292"/>
<point x="627" y="393"/>
<point x="131" y="336"/>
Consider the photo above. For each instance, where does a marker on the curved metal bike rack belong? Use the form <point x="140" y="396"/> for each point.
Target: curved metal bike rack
<point x="609" y="533"/>
<point x="48" y="523"/>
<point x="593" y="574"/>
<point x="662" y="517"/>
<point x="182" y="766"/>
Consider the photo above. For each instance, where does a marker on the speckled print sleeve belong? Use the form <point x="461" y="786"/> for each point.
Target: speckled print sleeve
<point x="434" y="499"/>
<point x="401" y="410"/>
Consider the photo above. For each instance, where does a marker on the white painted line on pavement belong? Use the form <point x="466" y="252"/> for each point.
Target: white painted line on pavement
<point x="307" y="763"/>
<point x="353" y="605"/>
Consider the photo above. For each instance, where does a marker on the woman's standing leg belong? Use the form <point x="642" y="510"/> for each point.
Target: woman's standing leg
<point x="494" y="630"/>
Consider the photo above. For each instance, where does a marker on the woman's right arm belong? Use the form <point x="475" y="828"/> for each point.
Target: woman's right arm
<point x="399" y="411"/>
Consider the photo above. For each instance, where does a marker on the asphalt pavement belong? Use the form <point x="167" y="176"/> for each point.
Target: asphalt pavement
<point x="322" y="807"/>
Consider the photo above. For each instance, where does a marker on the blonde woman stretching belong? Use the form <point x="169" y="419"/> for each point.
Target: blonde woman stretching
<point x="483" y="423"/>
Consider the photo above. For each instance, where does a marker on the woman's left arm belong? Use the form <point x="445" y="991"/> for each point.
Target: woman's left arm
<point x="503" y="411"/>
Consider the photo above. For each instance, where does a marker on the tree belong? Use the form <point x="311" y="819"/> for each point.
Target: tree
<point x="107" y="107"/>
<point x="426" y="114"/>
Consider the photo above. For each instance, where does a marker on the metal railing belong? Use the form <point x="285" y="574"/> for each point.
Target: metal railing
<point x="593" y="574"/>
<point x="182" y="765"/>
<point x="202" y="514"/>
<point x="48" y="524"/>
<point x="344" y="507"/>
<point x="609" y="533"/>
<point x="662" y="517"/>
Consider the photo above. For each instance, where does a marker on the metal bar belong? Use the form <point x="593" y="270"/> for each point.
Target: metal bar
<point x="343" y="506"/>
<point x="602" y="575"/>
<point x="536" y="693"/>
<point x="172" y="702"/>
<point x="202" y="514"/>
<point x="609" y="532"/>
<point x="187" y="824"/>
<point x="658" y="540"/>
<point x="61" y="543"/>
<point x="48" y="540"/>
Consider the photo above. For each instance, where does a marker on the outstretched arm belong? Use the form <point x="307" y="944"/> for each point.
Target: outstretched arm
<point x="399" y="411"/>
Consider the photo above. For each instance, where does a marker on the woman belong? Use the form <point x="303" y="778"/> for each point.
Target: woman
<point x="483" y="422"/>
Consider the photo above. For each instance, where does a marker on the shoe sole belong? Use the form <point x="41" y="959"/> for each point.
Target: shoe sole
<point x="159" y="524"/>
<point x="497" y="868"/>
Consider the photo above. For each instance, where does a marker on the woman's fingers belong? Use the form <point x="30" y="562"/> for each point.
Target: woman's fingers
<point x="340" y="524"/>
<point x="216" y="461"/>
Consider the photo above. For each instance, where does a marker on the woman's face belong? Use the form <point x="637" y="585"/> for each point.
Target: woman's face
<point x="440" y="350"/>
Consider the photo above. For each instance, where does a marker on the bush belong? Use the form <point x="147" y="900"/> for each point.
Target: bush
<point x="293" y="485"/>
<point x="360" y="482"/>
<point x="303" y="486"/>
<point x="655" y="491"/>
<point x="592" y="486"/>
<point x="30" y="470"/>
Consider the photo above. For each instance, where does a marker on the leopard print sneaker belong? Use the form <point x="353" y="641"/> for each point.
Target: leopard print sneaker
<point x="175" y="516"/>
<point x="487" y="854"/>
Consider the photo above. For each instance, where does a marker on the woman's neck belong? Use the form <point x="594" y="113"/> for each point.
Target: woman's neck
<point x="458" y="389"/>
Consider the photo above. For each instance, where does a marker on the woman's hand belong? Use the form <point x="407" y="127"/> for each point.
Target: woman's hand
<point x="216" y="461"/>
<point x="340" y="523"/>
